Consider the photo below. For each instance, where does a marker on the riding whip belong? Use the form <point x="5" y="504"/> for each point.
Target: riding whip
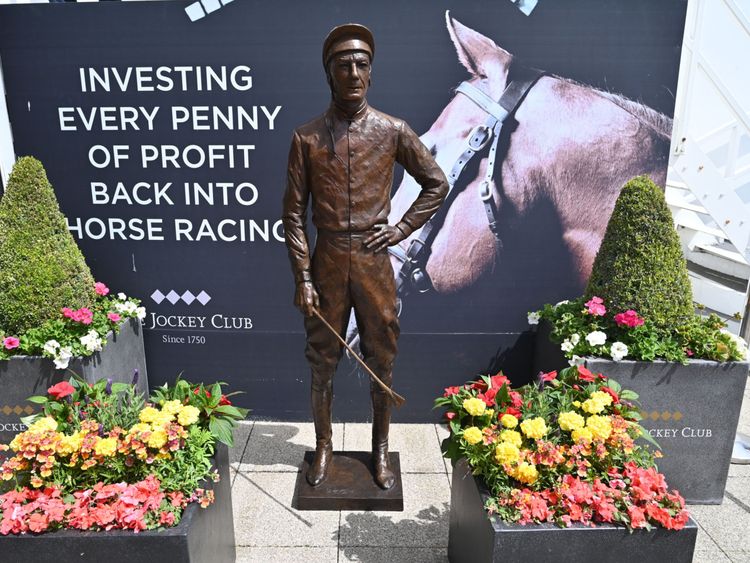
<point x="397" y="399"/>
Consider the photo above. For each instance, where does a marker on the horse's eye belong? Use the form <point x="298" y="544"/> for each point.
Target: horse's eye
<point x="433" y="150"/>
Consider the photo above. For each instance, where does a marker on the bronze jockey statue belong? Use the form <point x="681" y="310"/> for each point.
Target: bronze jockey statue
<point x="344" y="161"/>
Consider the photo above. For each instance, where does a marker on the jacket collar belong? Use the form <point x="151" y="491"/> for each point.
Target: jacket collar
<point x="337" y="113"/>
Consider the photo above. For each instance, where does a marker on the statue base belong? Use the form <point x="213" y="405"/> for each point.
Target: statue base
<point x="350" y="485"/>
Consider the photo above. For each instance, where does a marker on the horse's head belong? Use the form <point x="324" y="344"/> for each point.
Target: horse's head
<point x="571" y="149"/>
<point x="488" y="65"/>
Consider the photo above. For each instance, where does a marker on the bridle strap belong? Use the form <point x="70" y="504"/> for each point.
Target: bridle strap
<point x="414" y="259"/>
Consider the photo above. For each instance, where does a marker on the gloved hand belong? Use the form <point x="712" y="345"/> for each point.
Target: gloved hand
<point x="306" y="298"/>
<point x="383" y="237"/>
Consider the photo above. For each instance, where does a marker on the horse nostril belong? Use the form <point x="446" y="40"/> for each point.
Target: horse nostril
<point x="433" y="150"/>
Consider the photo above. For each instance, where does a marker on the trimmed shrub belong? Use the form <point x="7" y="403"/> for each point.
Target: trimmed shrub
<point x="41" y="267"/>
<point x="640" y="264"/>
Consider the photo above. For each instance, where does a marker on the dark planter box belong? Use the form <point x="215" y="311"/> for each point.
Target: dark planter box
<point x="691" y="411"/>
<point x="476" y="538"/>
<point x="203" y="534"/>
<point x="24" y="376"/>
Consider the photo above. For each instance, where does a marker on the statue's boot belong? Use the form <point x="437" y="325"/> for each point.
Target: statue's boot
<point x="321" y="408"/>
<point x="381" y="418"/>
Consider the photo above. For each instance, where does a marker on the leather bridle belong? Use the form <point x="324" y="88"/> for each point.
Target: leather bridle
<point x="412" y="275"/>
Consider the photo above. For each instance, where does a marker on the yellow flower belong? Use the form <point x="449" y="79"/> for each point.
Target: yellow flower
<point x="490" y="413"/>
<point x="512" y="437"/>
<point x="577" y="404"/>
<point x="45" y="424"/>
<point x="106" y="447"/>
<point x="597" y="403"/>
<point x="582" y="435"/>
<point x="161" y="419"/>
<point x="474" y="406"/>
<point x="526" y="472"/>
<point x="172" y="407"/>
<point x="157" y="439"/>
<point x="600" y="427"/>
<point x="509" y="421"/>
<point x="148" y="414"/>
<point x="506" y="453"/>
<point x="69" y="444"/>
<point x="473" y="435"/>
<point x="15" y="443"/>
<point x="188" y="415"/>
<point x="534" y="427"/>
<point x="571" y="421"/>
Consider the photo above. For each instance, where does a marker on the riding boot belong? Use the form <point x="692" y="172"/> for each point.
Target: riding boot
<point x="321" y="409"/>
<point x="381" y="418"/>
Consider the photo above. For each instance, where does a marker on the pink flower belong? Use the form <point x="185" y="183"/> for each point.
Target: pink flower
<point x="101" y="289"/>
<point x="11" y="342"/>
<point x="114" y="317"/>
<point x="82" y="315"/>
<point x="629" y="318"/>
<point x="595" y="306"/>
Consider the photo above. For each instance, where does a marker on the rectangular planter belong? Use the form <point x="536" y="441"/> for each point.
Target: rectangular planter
<point x="203" y="534"/>
<point x="24" y="376"/>
<point x="691" y="410"/>
<point x="476" y="538"/>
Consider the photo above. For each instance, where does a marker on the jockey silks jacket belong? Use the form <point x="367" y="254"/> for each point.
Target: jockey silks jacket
<point x="346" y="166"/>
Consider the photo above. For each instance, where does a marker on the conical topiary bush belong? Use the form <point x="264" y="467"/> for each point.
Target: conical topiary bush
<point x="41" y="267"/>
<point x="640" y="265"/>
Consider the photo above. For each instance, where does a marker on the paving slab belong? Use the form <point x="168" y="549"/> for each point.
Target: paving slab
<point x="241" y="436"/>
<point x="442" y="433"/>
<point x="264" y="517"/>
<point x="423" y="523"/>
<point x="727" y="525"/>
<point x="281" y="446"/>
<point x="394" y="554"/>
<point x="287" y="554"/>
<point x="418" y="441"/>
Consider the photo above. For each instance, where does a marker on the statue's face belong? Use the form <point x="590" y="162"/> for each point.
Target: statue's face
<point x="350" y="76"/>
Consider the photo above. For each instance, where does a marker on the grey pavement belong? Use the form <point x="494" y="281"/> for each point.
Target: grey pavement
<point x="267" y="456"/>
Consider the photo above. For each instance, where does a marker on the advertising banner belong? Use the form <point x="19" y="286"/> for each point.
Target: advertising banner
<point x="164" y="128"/>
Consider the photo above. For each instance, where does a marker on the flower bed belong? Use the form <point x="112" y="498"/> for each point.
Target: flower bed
<point x="99" y="458"/>
<point x="593" y="329"/>
<point x="562" y="452"/>
<point x="74" y="333"/>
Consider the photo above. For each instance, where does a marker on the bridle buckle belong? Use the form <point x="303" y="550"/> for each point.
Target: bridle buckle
<point x="479" y="137"/>
<point x="485" y="193"/>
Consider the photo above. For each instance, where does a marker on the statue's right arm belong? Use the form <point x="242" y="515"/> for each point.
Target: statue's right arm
<point x="294" y="218"/>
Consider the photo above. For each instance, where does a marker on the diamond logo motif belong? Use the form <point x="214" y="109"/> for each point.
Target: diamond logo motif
<point x="18" y="410"/>
<point x="188" y="297"/>
<point x="173" y="297"/>
<point x="7" y="410"/>
<point x="29" y="409"/>
<point x="203" y="298"/>
<point x="157" y="296"/>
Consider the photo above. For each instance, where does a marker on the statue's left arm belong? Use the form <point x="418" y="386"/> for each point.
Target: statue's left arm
<point x="419" y="163"/>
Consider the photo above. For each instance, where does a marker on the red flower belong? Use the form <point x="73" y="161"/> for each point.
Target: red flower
<point x="448" y="391"/>
<point x="11" y="342"/>
<point x="488" y="397"/>
<point x="224" y="401"/>
<point x="584" y="374"/>
<point x="499" y="380"/>
<point x="549" y="376"/>
<point x="611" y="393"/>
<point x="450" y="415"/>
<point x="629" y="318"/>
<point x="38" y="522"/>
<point x="515" y="399"/>
<point x="62" y="389"/>
<point x="637" y="517"/>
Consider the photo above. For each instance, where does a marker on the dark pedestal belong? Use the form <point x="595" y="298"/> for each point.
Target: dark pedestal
<point x="691" y="410"/>
<point x="24" y="376"/>
<point x="203" y="534"/>
<point x="350" y="485"/>
<point x="476" y="538"/>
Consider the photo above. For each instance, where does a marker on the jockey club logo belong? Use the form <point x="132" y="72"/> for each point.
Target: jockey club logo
<point x="171" y="322"/>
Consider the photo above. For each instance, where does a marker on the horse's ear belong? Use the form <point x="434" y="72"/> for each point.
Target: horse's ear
<point x="479" y="54"/>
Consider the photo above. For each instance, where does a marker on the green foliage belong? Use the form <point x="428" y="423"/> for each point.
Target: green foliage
<point x="41" y="267"/>
<point x="640" y="265"/>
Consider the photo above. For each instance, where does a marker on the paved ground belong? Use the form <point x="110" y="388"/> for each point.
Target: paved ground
<point x="267" y="457"/>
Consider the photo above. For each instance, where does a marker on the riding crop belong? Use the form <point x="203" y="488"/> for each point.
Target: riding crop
<point x="397" y="399"/>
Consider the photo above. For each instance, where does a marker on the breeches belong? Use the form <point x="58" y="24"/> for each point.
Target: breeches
<point x="347" y="275"/>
